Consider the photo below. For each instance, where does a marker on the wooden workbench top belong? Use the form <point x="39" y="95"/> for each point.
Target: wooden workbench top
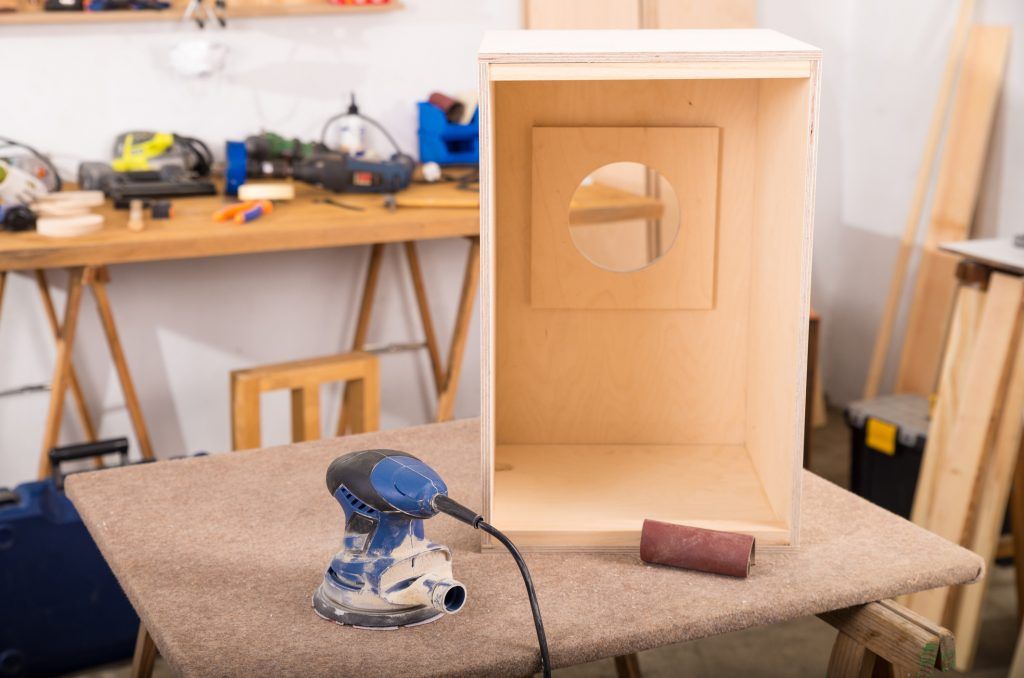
<point x="425" y="212"/>
<point x="294" y="225"/>
<point x="221" y="554"/>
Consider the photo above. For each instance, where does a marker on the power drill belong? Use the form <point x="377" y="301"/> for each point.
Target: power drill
<point x="270" y="155"/>
<point x="341" y="172"/>
<point x="388" y="574"/>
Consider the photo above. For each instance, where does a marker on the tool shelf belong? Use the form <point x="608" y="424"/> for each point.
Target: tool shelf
<point x="674" y="391"/>
<point x="27" y="14"/>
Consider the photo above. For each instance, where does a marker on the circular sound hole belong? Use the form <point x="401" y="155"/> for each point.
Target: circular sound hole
<point x="624" y="216"/>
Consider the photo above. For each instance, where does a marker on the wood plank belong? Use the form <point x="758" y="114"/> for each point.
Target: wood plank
<point x="628" y="666"/>
<point x="622" y="46"/>
<point x="592" y="14"/>
<point x="957" y="475"/>
<point x="956" y="195"/>
<point x="1017" y="519"/>
<point x="77" y="277"/>
<point x="145" y="654"/>
<point x="76" y="388"/>
<point x="299" y="224"/>
<point x="993" y="493"/>
<point x="470" y="279"/>
<point x="713" y="70"/>
<point x="33" y="15"/>
<point x="924" y="173"/>
<point x="245" y="413"/>
<point x="426" y="320"/>
<point x="311" y="371"/>
<point x="305" y="413"/>
<point x="849" y="659"/>
<point x="1017" y="668"/>
<point x="362" y="329"/>
<point x="962" y="337"/>
<point x="897" y="635"/>
<point x="131" y="398"/>
<point x="698" y="13"/>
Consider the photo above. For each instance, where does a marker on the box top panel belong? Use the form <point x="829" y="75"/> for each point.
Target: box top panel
<point x="540" y="46"/>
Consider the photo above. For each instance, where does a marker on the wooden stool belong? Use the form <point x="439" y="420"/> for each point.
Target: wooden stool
<point x="360" y="370"/>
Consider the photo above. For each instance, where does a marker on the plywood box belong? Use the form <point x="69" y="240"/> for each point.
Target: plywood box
<point x="671" y="390"/>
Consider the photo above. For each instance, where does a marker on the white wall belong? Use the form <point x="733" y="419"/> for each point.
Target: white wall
<point x="883" y="63"/>
<point x="186" y="324"/>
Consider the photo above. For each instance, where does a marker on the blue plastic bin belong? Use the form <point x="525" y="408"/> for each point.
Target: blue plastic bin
<point x="447" y="143"/>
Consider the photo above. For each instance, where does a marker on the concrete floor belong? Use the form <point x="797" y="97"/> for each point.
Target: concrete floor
<point x="795" y="649"/>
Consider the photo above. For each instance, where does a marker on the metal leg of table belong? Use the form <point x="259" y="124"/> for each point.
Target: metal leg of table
<point x="131" y="399"/>
<point x="77" y="277"/>
<point x="145" y="654"/>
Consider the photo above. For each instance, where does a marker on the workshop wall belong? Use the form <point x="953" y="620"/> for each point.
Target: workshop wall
<point x="883" y="62"/>
<point x="186" y="324"/>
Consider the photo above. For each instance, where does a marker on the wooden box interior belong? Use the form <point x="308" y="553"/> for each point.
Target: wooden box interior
<point x="602" y="418"/>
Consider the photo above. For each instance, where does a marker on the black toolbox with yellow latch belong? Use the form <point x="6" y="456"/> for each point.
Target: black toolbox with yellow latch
<point x="887" y="437"/>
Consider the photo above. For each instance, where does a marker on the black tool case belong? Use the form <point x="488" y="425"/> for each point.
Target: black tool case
<point x="61" y="609"/>
<point x="887" y="437"/>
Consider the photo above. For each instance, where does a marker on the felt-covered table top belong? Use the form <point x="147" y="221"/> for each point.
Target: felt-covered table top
<point x="221" y="554"/>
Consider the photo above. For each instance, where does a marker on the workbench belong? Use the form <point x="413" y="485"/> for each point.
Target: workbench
<point x="424" y="212"/>
<point x="220" y="556"/>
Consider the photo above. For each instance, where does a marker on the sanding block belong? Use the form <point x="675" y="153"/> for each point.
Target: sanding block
<point x="694" y="548"/>
<point x="266" y="191"/>
<point x="69" y="226"/>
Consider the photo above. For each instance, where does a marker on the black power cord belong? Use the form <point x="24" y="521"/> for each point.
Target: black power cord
<point x="446" y="504"/>
<point x="353" y="110"/>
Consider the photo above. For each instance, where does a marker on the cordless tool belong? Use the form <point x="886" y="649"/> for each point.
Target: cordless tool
<point x="388" y="574"/>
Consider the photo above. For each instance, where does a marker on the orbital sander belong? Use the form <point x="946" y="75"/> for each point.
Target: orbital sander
<point x="388" y="574"/>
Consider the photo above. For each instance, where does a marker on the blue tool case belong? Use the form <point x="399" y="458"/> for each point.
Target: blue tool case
<point x="61" y="608"/>
<point x="447" y="143"/>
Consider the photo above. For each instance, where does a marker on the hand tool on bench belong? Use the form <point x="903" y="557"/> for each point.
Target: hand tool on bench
<point x="388" y="574"/>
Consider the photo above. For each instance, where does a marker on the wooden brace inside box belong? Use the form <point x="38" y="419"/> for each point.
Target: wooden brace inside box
<point x="674" y="392"/>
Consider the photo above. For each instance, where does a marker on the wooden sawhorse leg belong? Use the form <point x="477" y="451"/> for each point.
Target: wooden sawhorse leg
<point x="884" y="630"/>
<point x="446" y="378"/>
<point x="145" y="654"/>
<point x="51" y="316"/>
<point x="64" y="375"/>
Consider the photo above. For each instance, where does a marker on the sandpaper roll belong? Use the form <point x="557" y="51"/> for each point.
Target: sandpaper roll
<point x="694" y="548"/>
<point x="452" y="107"/>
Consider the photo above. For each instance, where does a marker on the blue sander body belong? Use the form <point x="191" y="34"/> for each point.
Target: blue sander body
<point x="388" y="574"/>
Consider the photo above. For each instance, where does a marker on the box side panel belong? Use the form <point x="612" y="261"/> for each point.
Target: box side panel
<point x="780" y="290"/>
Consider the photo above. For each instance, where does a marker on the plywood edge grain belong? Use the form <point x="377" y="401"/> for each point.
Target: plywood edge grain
<point x="487" y="288"/>
<point x="597" y="46"/>
<point x="681" y="70"/>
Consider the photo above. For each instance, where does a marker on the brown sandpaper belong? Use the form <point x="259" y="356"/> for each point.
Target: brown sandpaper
<point x="221" y="554"/>
<point x="695" y="548"/>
